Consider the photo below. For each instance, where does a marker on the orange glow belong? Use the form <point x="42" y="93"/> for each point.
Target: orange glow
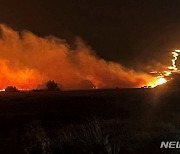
<point x="161" y="81"/>
<point x="27" y="60"/>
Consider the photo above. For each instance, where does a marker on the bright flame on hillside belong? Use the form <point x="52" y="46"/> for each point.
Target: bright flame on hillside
<point x="175" y="55"/>
<point x="161" y="78"/>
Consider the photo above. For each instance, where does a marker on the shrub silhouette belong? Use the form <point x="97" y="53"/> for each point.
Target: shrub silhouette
<point x="52" y="85"/>
<point x="11" y="89"/>
<point x="86" y="84"/>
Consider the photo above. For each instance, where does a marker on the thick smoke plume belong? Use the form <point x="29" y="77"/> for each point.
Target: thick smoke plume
<point x="27" y="60"/>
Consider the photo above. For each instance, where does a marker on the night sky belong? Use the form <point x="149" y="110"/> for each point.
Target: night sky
<point x="135" y="33"/>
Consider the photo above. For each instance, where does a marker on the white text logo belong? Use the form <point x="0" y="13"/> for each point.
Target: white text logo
<point x="170" y="144"/>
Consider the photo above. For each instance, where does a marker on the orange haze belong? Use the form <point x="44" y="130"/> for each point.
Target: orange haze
<point x="27" y="60"/>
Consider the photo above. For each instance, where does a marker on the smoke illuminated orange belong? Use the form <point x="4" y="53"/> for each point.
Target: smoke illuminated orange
<point x="27" y="60"/>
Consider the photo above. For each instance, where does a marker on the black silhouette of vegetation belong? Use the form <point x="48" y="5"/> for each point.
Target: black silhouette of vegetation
<point x="52" y="86"/>
<point x="11" y="89"/>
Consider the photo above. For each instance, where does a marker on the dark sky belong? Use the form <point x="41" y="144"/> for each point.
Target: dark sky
<point x="132" y="32"/>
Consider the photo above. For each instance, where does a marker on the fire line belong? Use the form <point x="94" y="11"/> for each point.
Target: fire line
<point x="161" y="76"/>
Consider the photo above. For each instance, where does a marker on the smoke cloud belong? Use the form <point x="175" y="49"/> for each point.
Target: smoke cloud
<point x="27" y="60"/>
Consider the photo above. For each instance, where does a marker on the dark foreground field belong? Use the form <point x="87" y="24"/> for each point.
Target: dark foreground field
<point x="94" y="122"/>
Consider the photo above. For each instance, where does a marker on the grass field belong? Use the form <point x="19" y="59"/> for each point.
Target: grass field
<point x="108" y="121"/>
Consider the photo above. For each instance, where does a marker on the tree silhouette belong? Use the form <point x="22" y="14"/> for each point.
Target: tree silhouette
<point x="52" y="85"/>
<point x="11" y="89"/>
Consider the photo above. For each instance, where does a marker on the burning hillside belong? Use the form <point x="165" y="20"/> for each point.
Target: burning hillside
<point x="27" y="60"/>
<point x="169" y="74"/>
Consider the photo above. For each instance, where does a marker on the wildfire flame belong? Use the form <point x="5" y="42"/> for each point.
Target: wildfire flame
<point x="175" y="55"/>
<point x="161" y="78"/>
